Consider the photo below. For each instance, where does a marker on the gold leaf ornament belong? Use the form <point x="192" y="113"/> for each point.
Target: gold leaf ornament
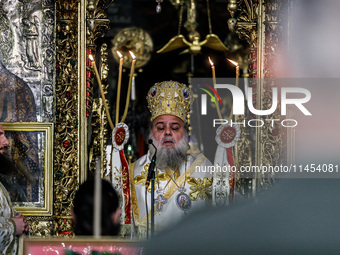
<point x="141" y="179"/>
<point x="201" y="188"/>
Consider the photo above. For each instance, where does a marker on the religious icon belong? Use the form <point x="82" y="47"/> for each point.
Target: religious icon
<point x="183" y="202"/>
<point x="160" y="201"/>
<point x="30" y="150"/>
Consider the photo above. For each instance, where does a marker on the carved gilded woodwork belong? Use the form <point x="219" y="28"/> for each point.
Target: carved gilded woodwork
<point x="99" y="136"/>
<point x="244" y="157"/>
<point x="99" y="121"/>
<point x="136" y="40"/>
<point x="40" y="226"/>
<point x="97" y="25"/>
<point x="272" y="137"/>
<point x="244" y="22"/>
<point x="67" y="119"/>
<point x="79" y="24"/>
<point x="96" y="20"/>
<point x="260" y="24"/>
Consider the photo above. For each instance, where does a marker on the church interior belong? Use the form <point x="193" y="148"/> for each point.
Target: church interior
<point x="74" y="83"/>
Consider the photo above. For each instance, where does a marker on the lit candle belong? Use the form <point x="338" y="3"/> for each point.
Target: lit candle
<point x="236" y="82"/>
<point x="237" y="70"/>
<point x="101" y="91"/>
<point x="214" y="83"/>
<point x="132" y="70"/>
<point x="213" y="72"/>
<point x="119" y="84"/>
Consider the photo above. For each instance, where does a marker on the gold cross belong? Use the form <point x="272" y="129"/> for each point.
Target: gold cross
<point x="141" y="179"/>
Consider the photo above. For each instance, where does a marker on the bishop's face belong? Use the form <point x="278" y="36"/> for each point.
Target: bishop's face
<point x="168" y="131"/>
<point x="3" y="140"/>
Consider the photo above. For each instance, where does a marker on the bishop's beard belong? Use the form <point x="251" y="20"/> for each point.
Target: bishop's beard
<point x="170" y="157"/>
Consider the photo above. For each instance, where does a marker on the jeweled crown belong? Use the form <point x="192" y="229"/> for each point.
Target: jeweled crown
<point x="169" y="97"/>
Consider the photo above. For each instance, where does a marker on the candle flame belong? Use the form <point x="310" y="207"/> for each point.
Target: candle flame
<point x="233" y="62"/>
<point x="211" y="63"/>
<point x="119" y="54"/>
<point x="91" y="58"/>
<point x="132" y="55"/>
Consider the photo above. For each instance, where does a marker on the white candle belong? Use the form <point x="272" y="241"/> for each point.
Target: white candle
<point x="132" y="71"/>
<point x="119" y="84"/>
<point x="133" y="89"/>
<point x="237" y="70"/>
<point x="97" y="205"/>
<point x="236" y="82"/>
<point x="214" y="83"/>
<point x="213" y="72"/>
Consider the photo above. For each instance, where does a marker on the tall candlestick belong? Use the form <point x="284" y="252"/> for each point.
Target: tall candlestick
<point x="101" y="91"/>
<point x="236" y="82"/>
<point x="132" y="71"/>
<point x="213" y="72"/>
<point x="119" y="85"/>
<point x="237" y="70"/>
<point x="214" y="83"/>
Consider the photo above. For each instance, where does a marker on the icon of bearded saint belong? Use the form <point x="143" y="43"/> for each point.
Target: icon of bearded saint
<point x="17" y="104"/>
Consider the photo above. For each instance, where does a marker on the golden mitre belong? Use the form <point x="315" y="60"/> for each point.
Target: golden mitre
<point x="169" y="97"/>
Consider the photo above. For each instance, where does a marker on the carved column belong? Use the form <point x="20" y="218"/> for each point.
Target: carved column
<point x="272" y="136"/>
<point x="259" y="23"/>
<point x="79" y="24"/>
<point x="69" y="121"/>
<point x="246" y="17"/>
<point x="97" y="25"/>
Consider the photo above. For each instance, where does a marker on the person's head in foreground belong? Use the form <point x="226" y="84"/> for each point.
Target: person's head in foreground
<point x="83" y="204"/>
<point x="3" y="141"/>
<point x="6" y="165"/>
<point x="169" y="103"/>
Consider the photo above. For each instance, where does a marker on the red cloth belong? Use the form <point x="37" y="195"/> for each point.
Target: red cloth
<point x="126" y="188"/>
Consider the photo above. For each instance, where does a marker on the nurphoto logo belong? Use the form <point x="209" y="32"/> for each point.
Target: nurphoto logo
<point x="238" y="106"/>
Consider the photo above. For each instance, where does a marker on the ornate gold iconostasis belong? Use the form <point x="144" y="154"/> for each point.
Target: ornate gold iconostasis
<point x="185" y="34"/>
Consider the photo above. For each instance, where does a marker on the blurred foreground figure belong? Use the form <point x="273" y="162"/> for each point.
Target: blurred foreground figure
<point x="12" y="223"/>
<point x="297" y="217"/>
<point x="82" y="212"/>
